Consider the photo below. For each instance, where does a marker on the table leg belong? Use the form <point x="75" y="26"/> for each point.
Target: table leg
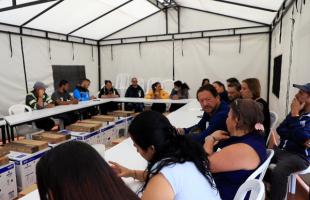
<point x="12" y="133"/>
<point x="3" y="134"/>
<point x="8" y="132"/>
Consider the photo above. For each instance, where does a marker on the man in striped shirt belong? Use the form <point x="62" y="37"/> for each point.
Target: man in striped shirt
<point x="37" y="99"/>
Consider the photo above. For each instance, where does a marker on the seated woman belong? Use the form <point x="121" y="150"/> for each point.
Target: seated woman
<point x="157" y="93"/>
<point x="178" y="168"/>
<point x="251" y="89"/>
<point x="108" y="91"/>
<point x="180" y="91"/>
<point x="242" y="148"/>
<point x="74" y="170"/>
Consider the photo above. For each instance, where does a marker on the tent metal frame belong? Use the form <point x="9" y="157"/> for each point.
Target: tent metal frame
<point x="22" y="5"/>
<point x="162" y="8"/>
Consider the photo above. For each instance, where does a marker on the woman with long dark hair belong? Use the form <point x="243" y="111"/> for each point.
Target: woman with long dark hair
<point x="157" y="93"/>
<point x="178" y="168"/>
<point x="180" y="91"/>
<point x="75" y="170"/>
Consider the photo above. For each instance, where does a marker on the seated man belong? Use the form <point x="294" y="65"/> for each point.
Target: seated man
<point x="214" y="116"/>
<point x="37" y="99"/>
<point x="293" y="153"/>
<point x="134" y="91"/>
<point x="108" y="91"/>
<point x="81" y="93"/>
<point x="233" y="89"/>
<point x="62" y="97"/>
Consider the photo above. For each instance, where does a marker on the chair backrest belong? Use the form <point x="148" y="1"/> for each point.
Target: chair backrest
<point x="141" y="83"/>
<point x="260" y="172"/>
<point x="19" y="108"/>
<point x="122" y="81"/>
<point x="168" y="85"/>
<point x="255" y="187"/>
<point x="273" y="121"/>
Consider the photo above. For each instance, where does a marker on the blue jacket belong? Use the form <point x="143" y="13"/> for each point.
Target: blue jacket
<point x="294" y="131"/>
<point x="81" y="94"/>
<point x="208" y="124"/>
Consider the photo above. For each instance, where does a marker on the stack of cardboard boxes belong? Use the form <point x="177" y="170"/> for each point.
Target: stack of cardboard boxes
<point x="8" y="185"/>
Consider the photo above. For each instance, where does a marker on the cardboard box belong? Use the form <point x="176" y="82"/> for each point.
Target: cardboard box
<point x="84" y="127"/>
<point x="21" y="147"/>
<point x="87" y="137"/>
<point x="40" y="144"/>
<point x="104" y="118"/>
<point x="4" y="160"/>
<point x="107" y="135"/>
<point x="51" y="137"/>
<point x="4" y="151"/>
<point x="8" y="186"/>
<point x="25" y="164"/>
<point x="57" y="144"/>
<point x="122" y="113"/>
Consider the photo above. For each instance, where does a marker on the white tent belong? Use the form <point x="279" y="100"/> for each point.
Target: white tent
<point x="173" y="39"/>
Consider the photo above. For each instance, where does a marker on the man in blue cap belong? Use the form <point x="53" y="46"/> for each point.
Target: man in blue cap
<point x="293" y="153"/>
<point x="37" y="99"/>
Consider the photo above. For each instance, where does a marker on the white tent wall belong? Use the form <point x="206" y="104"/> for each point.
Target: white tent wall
<point x="299" y="70"/>
<point x="12" y="81"/>
<point x="39" y="64"/>
<point x="224" y="60"/>
<point x="154" y="60"/>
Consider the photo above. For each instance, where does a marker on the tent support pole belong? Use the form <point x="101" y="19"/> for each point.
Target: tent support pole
<point x="99" y="66"/>
<point x="24" y="64"/>
<point x="269" y="65"/>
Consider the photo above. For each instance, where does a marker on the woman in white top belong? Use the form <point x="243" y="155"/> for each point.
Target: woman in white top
<point x="178" y="168"/>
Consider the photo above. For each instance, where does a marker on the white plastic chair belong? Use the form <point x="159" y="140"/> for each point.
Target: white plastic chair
<point x="167" y="85"/>
<point x="260" y="172"/>
<point x="122" y="81"/>
<point x="24" y="129"/>
<point x="141" y="83"/>
<point x="273" y="121"/>
<point x="256" y="187"/>
<point x="292" y="180"/>
<point x="100" y="148"/>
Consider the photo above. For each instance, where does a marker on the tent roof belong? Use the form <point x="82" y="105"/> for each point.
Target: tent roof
<point x="97" y="19"/>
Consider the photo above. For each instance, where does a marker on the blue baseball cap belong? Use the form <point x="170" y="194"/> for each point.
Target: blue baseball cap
<point x="305" y="87"/>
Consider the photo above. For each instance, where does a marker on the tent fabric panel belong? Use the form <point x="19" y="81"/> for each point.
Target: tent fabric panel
<point x="39" y="61"/>
<point x="189" y="21"/>
<point x="71" y="14"/>
<point x="230" y="10"/>
<point x="21" y="15"/>
<point x="151" y="26"/>
<point x="193" y="56"/>
<point x="118" y="19"/>
<point x="150" y="60"/>
<point x="12" y="81"/>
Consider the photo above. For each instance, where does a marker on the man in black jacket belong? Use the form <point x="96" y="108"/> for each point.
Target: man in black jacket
<point x="134" y="91"/>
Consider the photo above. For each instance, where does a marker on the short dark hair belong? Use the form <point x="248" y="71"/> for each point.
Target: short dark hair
<point x="107" y="81"/>
<point x="203" y="81"/>
<point x="235" y="85"/>
<point x="84" y="79"/>
<point x="75" y="170"/>
<point x="181" y="85"/>
<point x="210" y="88"/>
<point x="232" y="80"/>
<point x="63" y="82"/>
<point x="248" y="112"/>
